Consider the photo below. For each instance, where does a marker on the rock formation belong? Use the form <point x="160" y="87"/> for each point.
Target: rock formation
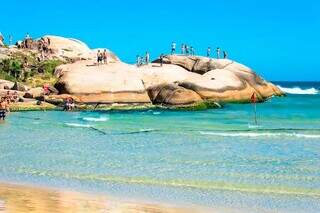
<point x="182" y="80"/>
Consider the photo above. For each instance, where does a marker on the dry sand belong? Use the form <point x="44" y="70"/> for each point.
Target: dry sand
<point x="17" y="198"/>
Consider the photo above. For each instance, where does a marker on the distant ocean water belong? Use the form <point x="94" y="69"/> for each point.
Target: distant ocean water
<point x="216" y="158"/>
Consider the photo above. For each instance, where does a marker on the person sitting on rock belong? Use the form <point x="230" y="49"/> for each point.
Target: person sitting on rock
<point x="8" y="96"/>
<point x="105" y="57"/>
<point x="46" y="90"/>
<point x="173" y="48"/>
<point x="15" y="97"/>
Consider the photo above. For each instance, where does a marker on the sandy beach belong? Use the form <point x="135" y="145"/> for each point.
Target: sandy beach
<point x="18" y="198"/>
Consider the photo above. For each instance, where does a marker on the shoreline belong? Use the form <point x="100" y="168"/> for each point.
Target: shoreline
<point x="26" y="198"/>
<point x="45" y="106"/>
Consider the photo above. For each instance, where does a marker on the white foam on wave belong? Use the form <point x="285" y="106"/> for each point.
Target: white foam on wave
<point x="260" y="134"/>
<point x="78" y="125"/>
<point x="299" y="91"/>
<point x="156" y="113"/>
<point x="92" y="119"/>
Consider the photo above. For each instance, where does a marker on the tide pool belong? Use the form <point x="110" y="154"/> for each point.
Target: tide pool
<point x="214" y="158"/>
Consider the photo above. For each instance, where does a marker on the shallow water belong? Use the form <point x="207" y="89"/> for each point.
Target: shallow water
<point x="215" y="158"/>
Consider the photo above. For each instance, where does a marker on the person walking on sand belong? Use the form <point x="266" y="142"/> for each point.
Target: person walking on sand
<point x="173" y="48"/>
<point x="225" y="55"/>
<point x="147" y="58"/>
<point x="105" y="57"/>
<point x="218" y="53"/>
<point x="208" y="51"/>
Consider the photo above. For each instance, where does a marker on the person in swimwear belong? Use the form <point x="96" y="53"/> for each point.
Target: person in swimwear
<point x="4" y="108"/>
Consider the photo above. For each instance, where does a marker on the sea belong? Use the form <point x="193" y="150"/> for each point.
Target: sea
<point x="216" y="158"/>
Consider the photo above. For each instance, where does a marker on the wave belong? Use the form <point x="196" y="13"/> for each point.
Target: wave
<point x="92" y="119"/>
<point x="261" y="134"/>
<point x="179" y="183"/>
<point x="78" y="125"/>
<point x="299" y="91"/>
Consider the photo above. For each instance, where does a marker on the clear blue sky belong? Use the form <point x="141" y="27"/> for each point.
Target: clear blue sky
<point x="277" y="38"/>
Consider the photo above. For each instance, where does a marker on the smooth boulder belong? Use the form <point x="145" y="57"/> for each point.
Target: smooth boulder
<point x="172" y="94"/>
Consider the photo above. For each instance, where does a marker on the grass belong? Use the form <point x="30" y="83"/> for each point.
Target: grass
<point x="35" y="75"/>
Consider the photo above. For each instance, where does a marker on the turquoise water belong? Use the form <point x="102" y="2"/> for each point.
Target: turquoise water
<point x="215" y="158"/>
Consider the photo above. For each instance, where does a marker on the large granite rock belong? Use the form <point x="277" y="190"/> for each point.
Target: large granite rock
<point x="222" y="80"/>
<point x="114" y="83"/>
<point x="178" y="82"/>
<point x="73" y="49"/>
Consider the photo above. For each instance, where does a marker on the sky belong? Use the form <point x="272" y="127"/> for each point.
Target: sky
<point x="279" y="39"/>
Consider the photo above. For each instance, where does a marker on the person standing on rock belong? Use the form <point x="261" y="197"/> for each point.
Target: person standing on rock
<point x="218" y="53"/>
<point x="161" y="60"/>
<point x="208" y="52"/>
<point x="99" y="57"/>
<point x="105" y="57"/>
<point x="138" y="60"/>
<point x="147" y="58"/>
<point x="192" y="51"/>
<point x="27" y="36"/>
<point x="183" y="49"/>
<point x="187" y="49"/>
<point x="225" y="55"/>
<point x="173" y="48"/>
<point x="1" y="39"/>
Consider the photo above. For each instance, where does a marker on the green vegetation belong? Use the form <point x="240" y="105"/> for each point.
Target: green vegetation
<point x="25" y="68"/>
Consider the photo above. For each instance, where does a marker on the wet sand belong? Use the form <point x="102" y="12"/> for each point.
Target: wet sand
<point x="17" y="198"/>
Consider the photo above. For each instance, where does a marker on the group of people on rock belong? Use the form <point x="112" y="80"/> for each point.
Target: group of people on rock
<point x="143" y="60"/>
<point x="185" y="49"/>
<point x="189" y="50"/>
<point x="102" y="57"/>
<point x="28" y="43"/>
<point x="218" y="53"/>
